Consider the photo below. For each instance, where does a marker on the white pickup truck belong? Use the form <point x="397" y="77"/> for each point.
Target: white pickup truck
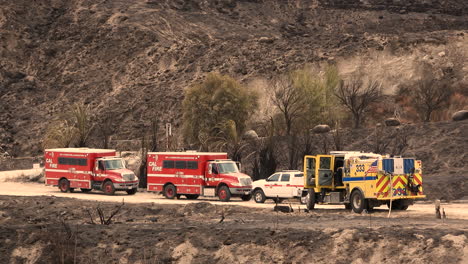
<point x="281" y="185"/>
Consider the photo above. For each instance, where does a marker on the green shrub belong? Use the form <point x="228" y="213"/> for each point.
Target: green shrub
<point x="209" y="105"/>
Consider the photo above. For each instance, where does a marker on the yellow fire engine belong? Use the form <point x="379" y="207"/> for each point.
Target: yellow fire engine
<point x="362" y="180"/>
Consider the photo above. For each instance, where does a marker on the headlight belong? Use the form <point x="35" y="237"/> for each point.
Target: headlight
<point x="237" y="183"/>
<point x="128" y="177"/>
<point x="245" y="181"/>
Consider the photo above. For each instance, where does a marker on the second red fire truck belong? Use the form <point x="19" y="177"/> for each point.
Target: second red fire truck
<point x="195" y="174"/>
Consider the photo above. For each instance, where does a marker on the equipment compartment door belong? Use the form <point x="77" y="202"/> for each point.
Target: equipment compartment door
<point x="324" y="171"/>
<point x="310" y="171"/>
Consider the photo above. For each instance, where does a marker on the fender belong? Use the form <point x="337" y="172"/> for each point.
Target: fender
<point x="221" y="184"/>
<point x="359" y="189"/>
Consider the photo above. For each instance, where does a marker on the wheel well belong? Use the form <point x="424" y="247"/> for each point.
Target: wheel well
<point x="168" y="183"/>
<point x="258" y="188"/>
<point x="104" y="182"/>
<point x="357" y="189"/>
<point x="62" y="179"/>
<point x="219" y="186"/>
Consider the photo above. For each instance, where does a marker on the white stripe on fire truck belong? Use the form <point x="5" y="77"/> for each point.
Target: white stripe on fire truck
<point x="177" y="185"/>
<point x="68" y="171"/>
<point x="174" y="175"/>
<point x="48" y="178"/>
<point x="79" y="180"/>
<point x="214" y="179"/>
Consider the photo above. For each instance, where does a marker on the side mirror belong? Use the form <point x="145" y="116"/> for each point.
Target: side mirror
<point x="239" y="165"/>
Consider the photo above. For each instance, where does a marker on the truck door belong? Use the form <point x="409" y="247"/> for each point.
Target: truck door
<point x="99" y="171"/>
<point x="271" y="185"/>
<point x="211" y="174"/>
<point x="287" y="188"/>
<point x="310" y="171"/>
<point x="325" y="171"/>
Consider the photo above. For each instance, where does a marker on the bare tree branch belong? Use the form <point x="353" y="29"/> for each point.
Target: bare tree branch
<point x="357" y="96"/>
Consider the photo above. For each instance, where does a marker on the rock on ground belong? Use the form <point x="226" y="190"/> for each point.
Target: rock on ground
<point x="460" y="115"/>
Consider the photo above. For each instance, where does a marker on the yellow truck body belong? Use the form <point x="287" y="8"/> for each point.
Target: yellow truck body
<point x="362" y="180"/>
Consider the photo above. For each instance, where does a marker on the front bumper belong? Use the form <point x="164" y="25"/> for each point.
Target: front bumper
<point x="125" y="185"/>
<point x="241" y="190"/>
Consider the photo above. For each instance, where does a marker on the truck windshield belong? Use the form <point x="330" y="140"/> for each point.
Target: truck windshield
<point x="227" y="167"/>
<point x="114" y="164"/>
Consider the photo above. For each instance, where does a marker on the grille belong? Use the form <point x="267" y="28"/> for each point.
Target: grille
<point x="129" y="177"/>
<point x="245" y="181"/>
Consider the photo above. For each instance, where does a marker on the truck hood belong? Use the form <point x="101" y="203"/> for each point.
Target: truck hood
<point x="238" y="178"/>
<point x="259" y="182"/>
<point x="237" y="175"/>
<point x="120" y="171"/>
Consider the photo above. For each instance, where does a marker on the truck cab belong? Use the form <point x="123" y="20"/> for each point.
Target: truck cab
<point x="279" y="186"/>
<point x="113" y="169"/>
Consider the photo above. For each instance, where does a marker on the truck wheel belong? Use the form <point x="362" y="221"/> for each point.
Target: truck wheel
<point x="192" y="196"/>
<point x="224" y="194"/>
<point x="304" y="199"/>
<point x="64" y="185"/>
<point x="170" y="191"/>
<point x="311" y="199"/>
<point x="259" y="196"/>
<point x="108" y="188"/>
<point x="85" y="190"/>
<point x="348" y="206"/>
<point x="132" y="191"/>
<point x="246" y="197"/>
<point x="358" y="203"/>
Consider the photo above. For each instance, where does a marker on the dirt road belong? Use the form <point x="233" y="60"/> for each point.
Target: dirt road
<point x="453" y="210"/>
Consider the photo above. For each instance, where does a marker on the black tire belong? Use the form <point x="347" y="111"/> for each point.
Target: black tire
<point x="311" y="200"/>
<point x="64" y="185"/>
<point x="358" y="202"/>
<point x="348" y="206"/>
<point x="192" y="196"/>
<point x="170" y="191"/>
<point x="224" y="194"/>
<point x="246" y="197"/>
<point x="108" y="188"/>
<point x="84" y="190"/>
<point x="132" y="191"/>
<point x="259" y="196"/>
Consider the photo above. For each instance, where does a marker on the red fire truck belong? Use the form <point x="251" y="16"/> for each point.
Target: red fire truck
<point x="196" y="173"/>
<point x="88" y="169"/>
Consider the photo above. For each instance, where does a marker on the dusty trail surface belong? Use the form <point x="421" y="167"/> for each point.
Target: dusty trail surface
<point x="455" y="210"/>
<point x="149" y="229"/>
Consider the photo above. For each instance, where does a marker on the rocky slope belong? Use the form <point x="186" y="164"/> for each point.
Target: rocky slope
<point x="133" y="59"/>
